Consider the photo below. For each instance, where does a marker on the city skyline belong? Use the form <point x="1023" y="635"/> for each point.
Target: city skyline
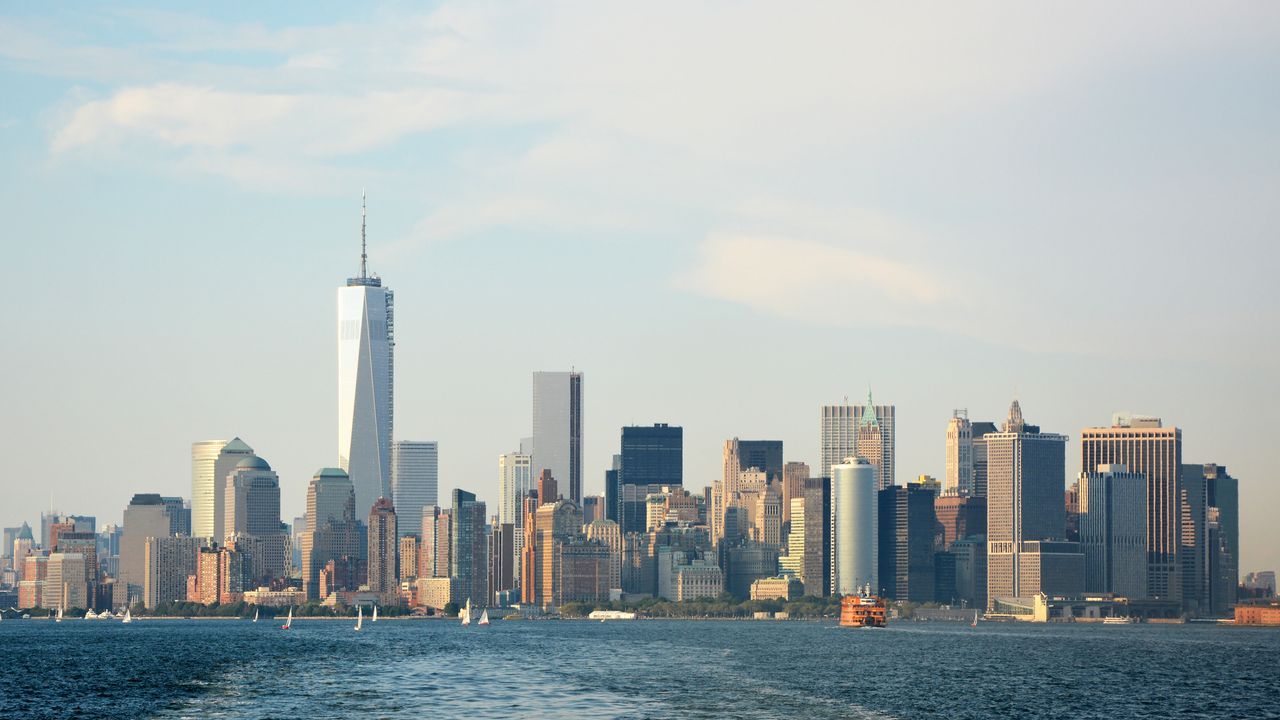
<point x="281" y="246"/>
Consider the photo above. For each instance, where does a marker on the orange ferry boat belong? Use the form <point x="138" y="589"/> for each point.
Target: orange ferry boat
<point x="862" y="610"/>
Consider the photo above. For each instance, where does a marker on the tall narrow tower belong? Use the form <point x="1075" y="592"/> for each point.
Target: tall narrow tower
<point x="366" y="345"/>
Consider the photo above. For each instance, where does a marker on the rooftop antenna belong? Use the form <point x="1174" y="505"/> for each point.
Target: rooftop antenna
<point x="363" y="257"/>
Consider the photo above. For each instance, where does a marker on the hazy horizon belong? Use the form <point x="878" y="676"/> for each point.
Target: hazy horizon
<point x="724" y="215"/>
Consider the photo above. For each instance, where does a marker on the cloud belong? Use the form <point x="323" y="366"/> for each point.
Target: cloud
<point x="817" y="283"/>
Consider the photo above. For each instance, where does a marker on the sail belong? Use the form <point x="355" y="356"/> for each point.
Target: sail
<point x="359" y="616"/>
<point x="484" y="617"/>
<point x="128" y="615"/>
<point x="375" y="613"/>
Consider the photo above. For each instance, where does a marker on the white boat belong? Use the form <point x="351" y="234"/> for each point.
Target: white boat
<point x="603" y="615"/>
<point x="375" y="614"/>
<point x="91" y="615"/>
<point x="466" y="613"/>
<point x="975" y="619"/>
<point x="59" y="617"/>
<point x="128" y="616"/>
<point x="1117" y="621"/>
<point x="106" y="615"/>
<point x="255" y="614"/>
<point x="359" y="617"/>
<point x="288" y="623"/>
<point x="484" y="617"/>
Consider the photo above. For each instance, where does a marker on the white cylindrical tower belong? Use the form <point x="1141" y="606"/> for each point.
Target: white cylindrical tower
<point x="854" y="526"/>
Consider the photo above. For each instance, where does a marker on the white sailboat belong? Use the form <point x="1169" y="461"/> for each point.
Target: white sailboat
<point x="466" y="613"/>
<point x="359" y="617"/>
<point x="375" y="614"/>
<point x="484" y="617"/>
<point x="288" y="623"/>
<point x="975" y="619"/>
<point x="59" y="617"/>
<point x="255" y="614"/>
<point x="128" y="616"/>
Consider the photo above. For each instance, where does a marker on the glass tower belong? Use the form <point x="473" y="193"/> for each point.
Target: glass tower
<point x="365" y="382"/>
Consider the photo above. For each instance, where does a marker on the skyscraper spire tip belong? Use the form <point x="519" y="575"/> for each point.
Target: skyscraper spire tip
<point x="363" y="256"/>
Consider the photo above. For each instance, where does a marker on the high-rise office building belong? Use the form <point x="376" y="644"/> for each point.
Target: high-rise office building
<point x="652" y="455"/>
<point x="64" y="585"/>
<point x="252" y="501"/>
<point x="515" y="480"/>
<point x="907" y="526"/>
<point x="502" y="558"/>
<point x="613" y="490"/>
<point x="854" y="527"/>
<point x="383" y="554"/>
<point x="1144" y="446"/>
<point x="1223" y="496"/>
<point x="1113" y="531"/>
<point x="415" y="476"/>
<point x="434" y="553"/>
<point x="794" y="475"/>
<point x="557" y="427"/>
<point x="1026" y="474"/>
<point x="817" y="537"/>
<point x="169" y="561"/>
<point x="211" y="462"/>
<point x="146" y="516"/>
<point x="958" y="479"/>
<point x="841" y="425"/>
<point x="1210" y="538"/>
<point x="469" y="561"/>
<point x="366" y="381"/>
<point x="333" y="532"/>
<point x="960" y="516"/>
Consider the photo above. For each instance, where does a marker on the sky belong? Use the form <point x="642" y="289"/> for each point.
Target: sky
<point x="724" y="214"/>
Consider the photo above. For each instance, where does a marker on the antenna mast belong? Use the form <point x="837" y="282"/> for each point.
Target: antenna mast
<point x="363" y="256"/>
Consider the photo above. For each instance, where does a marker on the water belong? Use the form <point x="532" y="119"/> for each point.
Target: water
<point x="692" y="669"/>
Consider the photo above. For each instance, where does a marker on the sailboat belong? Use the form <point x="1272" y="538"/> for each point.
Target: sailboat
<point x="375" y="614"/>
<point x="288" y="623"/>
<point x="59" y="617"/>
<point x="484" y="617"/>
<point x="466" y="613"/>
<point x="255" y="614"/>
<point x="128" y="616"/>
<point x="359" y="617"/>
<point x="975" y="619"/>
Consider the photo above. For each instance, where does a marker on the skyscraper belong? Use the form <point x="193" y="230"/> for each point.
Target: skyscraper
<point x="1026" y="472"/>
<point x="652" y="455"/>
<point x="414" y="481"/>
<point x="469" y="564"/>
<point x="841" y="425"/>
<point x="211" y="462"/>
<point x="1113" y="531"/>
<point x="332" y="529"/>
<point x="515" y="480"/>
<point x="366" y="373"/>
<point x="146" y="516"/>
<point x="854" y="527"/>
<point x="253" y="511"/>
<point x="384" y="547"/>
<point x="557" y="427"/>
<point x="1210" y="538"/>
<point x="958" y="479"/>
<point x="168" y="561"/>
<point x="907" y="526"/>
<point x="1144" y="446"/>
<point x="817" y="536"/>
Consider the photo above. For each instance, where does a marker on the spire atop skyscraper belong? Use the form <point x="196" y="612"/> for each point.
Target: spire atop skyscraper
<point x="869" y="412"/>
<point x="363" y="256"/>
<point x="1015" y="423"/>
